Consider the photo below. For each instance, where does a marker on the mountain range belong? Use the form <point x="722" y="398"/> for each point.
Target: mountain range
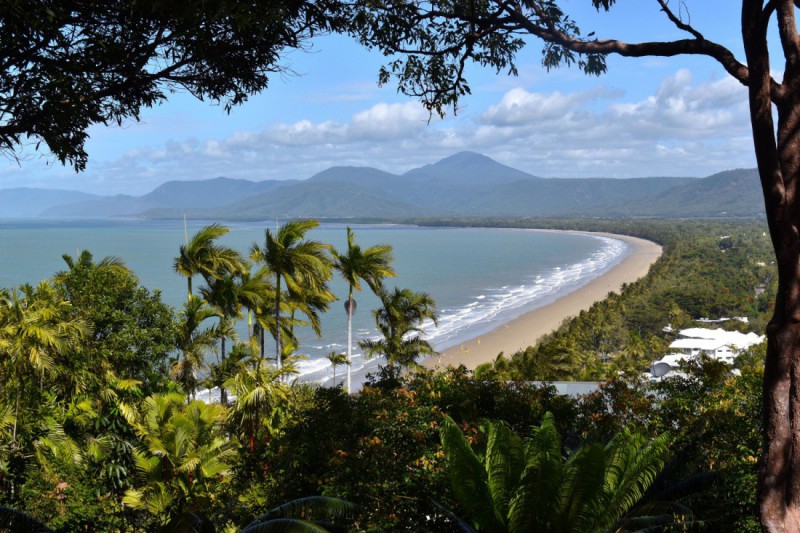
<point x="464" y="184"/>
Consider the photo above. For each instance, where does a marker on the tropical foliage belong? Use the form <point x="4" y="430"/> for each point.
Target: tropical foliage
<point x="302" y="265"/>
<point x="398" y="320"/>
<point x="528" y="485"/>
<point x="184" y="459"/>
<point x="98" y="431"/>
<point x="203" y="256"/>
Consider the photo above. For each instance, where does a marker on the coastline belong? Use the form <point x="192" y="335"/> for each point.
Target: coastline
<point x="527" y="329"/>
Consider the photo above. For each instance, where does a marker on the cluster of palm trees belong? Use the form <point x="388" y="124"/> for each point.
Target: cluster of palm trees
<point x="283" y="286"/>
<point x="38" y="332"/>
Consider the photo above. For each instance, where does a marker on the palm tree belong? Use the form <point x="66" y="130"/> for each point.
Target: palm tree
<point x="398" y="319"/>
<point x="36" y="326"/>
<point x="224" y="295"/>
<point x="337" y="359"/>
<point x="185" y="457"/>
<point x="86" y="260"/>
<point x="220" y="373"/>
<point x="194" y="341"/>
<point x="311" y="300"/>
<point x="290" y="257"/>
<point x="553" y="360"/>
<point x="256" y="294"/>
<point x="203" y="256"/>
<point x="260" y="398"/>
<point x="372" y="265"/>
<point x="529" y="486"/>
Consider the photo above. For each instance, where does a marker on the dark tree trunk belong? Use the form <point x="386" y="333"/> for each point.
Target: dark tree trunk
<point x="223" y="394"/>
<point x="778" y="164"/>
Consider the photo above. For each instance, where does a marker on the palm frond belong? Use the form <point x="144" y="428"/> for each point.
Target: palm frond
<point x="582" y="486"/>
<point x="536" y="499"/>
<point x="285" y="525"/>
<point x="312" y="508"/>
<point x="505" y="460"/>
<point x="13" y="520"/>
<point x="468" y="478"/>
<point x="460" y="524"/>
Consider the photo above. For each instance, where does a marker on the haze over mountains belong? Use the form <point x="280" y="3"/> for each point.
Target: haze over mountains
<point x="465" y="184"/>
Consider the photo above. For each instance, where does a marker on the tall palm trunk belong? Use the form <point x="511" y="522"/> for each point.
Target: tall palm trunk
<point x="350" y="305"/>
<point x="223" y="394"/>
<point x="16" y="410"/>
<point x="262" y="340"/>
<point x="278" y="319"/>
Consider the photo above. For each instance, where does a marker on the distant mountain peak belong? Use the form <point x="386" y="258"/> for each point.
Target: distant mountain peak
<point x="465" y="157"/>
<point x="464" y="184"/>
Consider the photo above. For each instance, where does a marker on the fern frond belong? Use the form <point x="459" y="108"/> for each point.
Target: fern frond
<point x="469" y="479"/>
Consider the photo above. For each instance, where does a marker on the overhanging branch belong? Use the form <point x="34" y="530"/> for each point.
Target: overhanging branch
<point x="656" y="48"/>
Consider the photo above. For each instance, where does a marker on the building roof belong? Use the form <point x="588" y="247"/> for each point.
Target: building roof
<point x="675" y="359"/>
<point x="698" y="344"/>
<point x="571" y="388"/>
<point x="719" y="335"/>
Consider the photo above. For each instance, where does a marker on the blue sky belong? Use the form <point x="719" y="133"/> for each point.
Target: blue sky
<point x="646" y="117"/>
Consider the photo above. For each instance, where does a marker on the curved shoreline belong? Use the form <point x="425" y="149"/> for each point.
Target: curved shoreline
<point x="527" y="329"/>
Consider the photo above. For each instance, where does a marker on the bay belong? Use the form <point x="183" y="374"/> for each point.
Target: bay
<point x="480" y="278"/>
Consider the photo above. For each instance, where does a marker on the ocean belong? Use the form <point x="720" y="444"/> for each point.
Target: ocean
<point x="480" y="278"/>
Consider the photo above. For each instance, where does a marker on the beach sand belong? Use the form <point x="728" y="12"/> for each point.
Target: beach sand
<point x="527" y="329"/>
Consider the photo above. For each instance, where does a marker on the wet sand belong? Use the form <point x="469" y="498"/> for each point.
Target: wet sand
<point x="525" y="330"/>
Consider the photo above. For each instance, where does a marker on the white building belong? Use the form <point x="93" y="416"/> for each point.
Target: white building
<point x="734" y="338"/>
<point x="715" y="343"/>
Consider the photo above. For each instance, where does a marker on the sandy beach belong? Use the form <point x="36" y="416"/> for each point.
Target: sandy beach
<point x="524" y="331"/>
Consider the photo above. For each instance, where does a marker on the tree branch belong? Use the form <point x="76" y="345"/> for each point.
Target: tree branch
<point x="657" y="48"/>
<point x="787" y="28"/>
<point x="678" y="22"/>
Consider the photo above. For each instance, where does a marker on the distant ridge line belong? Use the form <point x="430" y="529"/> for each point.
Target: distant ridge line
<point x="461" y="185"/>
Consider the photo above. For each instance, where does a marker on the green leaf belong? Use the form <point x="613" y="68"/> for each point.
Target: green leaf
<point x="469" y="479"/>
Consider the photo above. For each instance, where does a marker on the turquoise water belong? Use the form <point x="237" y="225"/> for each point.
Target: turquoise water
<point x="479" y="278"/>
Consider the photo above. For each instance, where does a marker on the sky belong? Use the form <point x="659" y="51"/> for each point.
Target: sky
<point x="679" y="116"/>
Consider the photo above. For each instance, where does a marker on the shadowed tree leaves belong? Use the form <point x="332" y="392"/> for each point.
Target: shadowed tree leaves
<point x="69" y="65"/>
<point x="132" y="328"/>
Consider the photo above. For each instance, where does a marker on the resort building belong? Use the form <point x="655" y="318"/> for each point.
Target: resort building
<point x="717" y="344"/>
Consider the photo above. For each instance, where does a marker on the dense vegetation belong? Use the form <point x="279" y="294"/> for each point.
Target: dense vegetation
<point x="99" y="431"/>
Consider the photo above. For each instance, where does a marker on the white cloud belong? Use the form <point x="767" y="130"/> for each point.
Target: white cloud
<point x="680" y="109"/>
<point x="519" y="107"/>
<point x="388" y="121"/>
<point x="683" y="128"/>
